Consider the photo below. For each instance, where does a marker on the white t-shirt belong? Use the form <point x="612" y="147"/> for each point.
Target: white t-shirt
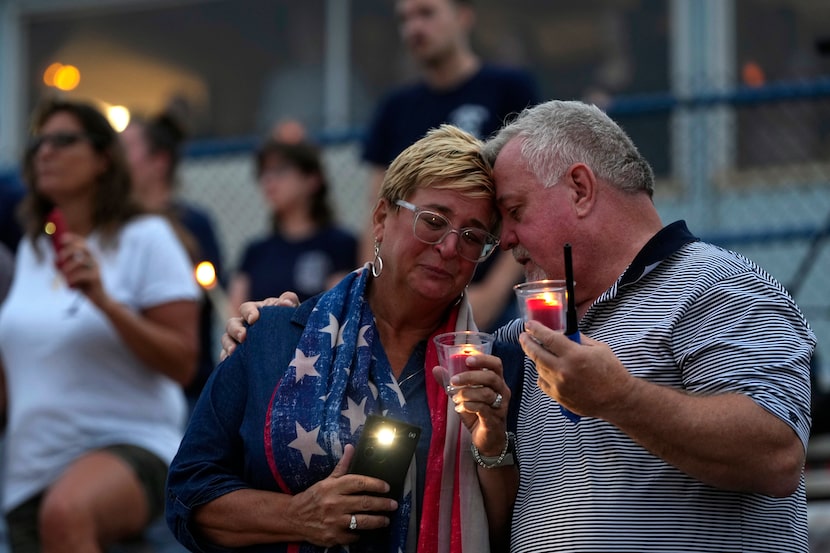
<point x="73" y="385"/>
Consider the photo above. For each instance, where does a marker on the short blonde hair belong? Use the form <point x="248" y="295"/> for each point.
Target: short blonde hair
<point x="446" y="158"/>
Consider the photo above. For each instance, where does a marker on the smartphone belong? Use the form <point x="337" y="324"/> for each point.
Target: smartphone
<point x="385" y="450"/>
<point x="55" y="228"/>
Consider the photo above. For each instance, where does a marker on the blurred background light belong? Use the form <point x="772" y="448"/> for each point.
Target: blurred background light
<point x="51" y="71"/>
<point x="67" y="77"/>
<point x="206" y="275"/>
<point x="119" y="117"/>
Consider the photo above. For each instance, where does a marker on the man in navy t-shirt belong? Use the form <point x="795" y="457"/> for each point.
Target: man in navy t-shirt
<point x="456" y="87"/>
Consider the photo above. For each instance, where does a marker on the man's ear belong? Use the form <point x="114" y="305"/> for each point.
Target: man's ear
<point x="583" y="184"/>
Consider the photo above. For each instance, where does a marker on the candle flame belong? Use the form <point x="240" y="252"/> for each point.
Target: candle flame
<point x="550" y="299"/>
<point x="206" y="274"/>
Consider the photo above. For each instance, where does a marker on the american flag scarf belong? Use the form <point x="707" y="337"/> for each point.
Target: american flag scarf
<point x="322" y="401"/>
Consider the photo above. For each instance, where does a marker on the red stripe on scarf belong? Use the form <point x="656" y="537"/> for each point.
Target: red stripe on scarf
<point x="437" y="400"/>
<point x="269" y="455"/>
<point x="269" y="447"/>
<point x="455" y="537"/>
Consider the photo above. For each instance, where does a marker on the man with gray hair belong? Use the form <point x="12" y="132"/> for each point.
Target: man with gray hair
<point x="692" y="378"/>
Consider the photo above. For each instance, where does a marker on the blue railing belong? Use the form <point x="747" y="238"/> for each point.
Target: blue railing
<point x="741" y="96"/>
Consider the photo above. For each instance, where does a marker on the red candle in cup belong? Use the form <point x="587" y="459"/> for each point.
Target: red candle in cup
<point x="548" y="311"/>
<point x="544" y="301"/>
<point x="453" y="349"/>
<point x="458" y="360"/>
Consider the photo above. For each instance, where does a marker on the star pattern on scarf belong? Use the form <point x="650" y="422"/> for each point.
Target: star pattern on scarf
<point x="340" y="334"/>
<point x="303" y="365"/>
<point x="395" y="388"/>
<point x="355" y="413"/>
<point x="361" y="337"/>
<point x="306" y="443"/>
<point x="333" y="328"/>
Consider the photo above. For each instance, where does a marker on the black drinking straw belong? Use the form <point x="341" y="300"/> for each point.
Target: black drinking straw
<point x="571" y="325"/>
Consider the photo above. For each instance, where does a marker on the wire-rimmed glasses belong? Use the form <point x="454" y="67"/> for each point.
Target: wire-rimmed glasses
<point x="474" y="244"/>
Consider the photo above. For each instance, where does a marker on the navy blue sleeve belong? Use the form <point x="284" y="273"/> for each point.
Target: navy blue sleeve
<point x="209" y="461"/>
<point x="376" y="149"/>
<point x="249" y="255"/>
<point x="223" y="447"/>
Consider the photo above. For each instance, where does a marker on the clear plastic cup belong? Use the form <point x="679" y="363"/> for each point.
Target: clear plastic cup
<point x="544" y="301"/>
<point x="455" y="347"/>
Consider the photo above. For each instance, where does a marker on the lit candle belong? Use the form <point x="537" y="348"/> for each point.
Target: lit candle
<point x="546" y="309"/>
<point x="458" y="360"/>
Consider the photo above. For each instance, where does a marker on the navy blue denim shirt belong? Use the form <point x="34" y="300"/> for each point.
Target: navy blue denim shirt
<point x="223" y="449"/>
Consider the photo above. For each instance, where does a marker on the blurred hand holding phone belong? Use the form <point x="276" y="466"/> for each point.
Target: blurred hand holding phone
<point x="56" y="228"/>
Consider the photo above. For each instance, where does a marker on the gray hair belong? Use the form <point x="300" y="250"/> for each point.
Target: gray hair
<point x="558" y="134"/>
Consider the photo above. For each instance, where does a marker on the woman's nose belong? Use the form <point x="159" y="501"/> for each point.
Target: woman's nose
<point x="449" y="245"/>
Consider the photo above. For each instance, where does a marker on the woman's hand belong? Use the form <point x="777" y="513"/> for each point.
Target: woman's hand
<point x="481" y="399"/>
<point x="80" y="269"/>
<point x="235" y="330"/>
<point x="323" y="513"/>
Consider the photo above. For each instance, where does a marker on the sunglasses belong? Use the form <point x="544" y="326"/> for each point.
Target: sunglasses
<point x="58" y="140"/>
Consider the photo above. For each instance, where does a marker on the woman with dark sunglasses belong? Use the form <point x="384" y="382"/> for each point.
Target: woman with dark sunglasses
<point x="97" y="335"/>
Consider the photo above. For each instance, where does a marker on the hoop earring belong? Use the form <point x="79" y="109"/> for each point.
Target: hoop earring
<point x="377" y="262"/>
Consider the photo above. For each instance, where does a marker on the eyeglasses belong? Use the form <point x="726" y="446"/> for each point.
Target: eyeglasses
<point x="474" y="244"/>
<point x="57" y="140"/>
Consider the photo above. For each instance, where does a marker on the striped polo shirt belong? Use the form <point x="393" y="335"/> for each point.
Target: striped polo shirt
<point x="692" y="316"/>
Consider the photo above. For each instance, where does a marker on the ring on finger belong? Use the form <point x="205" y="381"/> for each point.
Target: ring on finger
<point x="353" y="523"/>
<point x="497" y="402"/>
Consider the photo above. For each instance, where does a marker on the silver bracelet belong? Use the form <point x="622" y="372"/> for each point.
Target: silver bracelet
<point x="505" y="458"/>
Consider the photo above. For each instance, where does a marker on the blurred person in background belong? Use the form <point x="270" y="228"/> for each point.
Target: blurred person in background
<point x="153" y="150"/>
<point x="288" y="130"/>
<point x="11" y="194"/>
<point x="98" y="335"/>
<point x="456" y="87"/>
<point x="262" y="466"/>
<point x="305" y="251"/>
